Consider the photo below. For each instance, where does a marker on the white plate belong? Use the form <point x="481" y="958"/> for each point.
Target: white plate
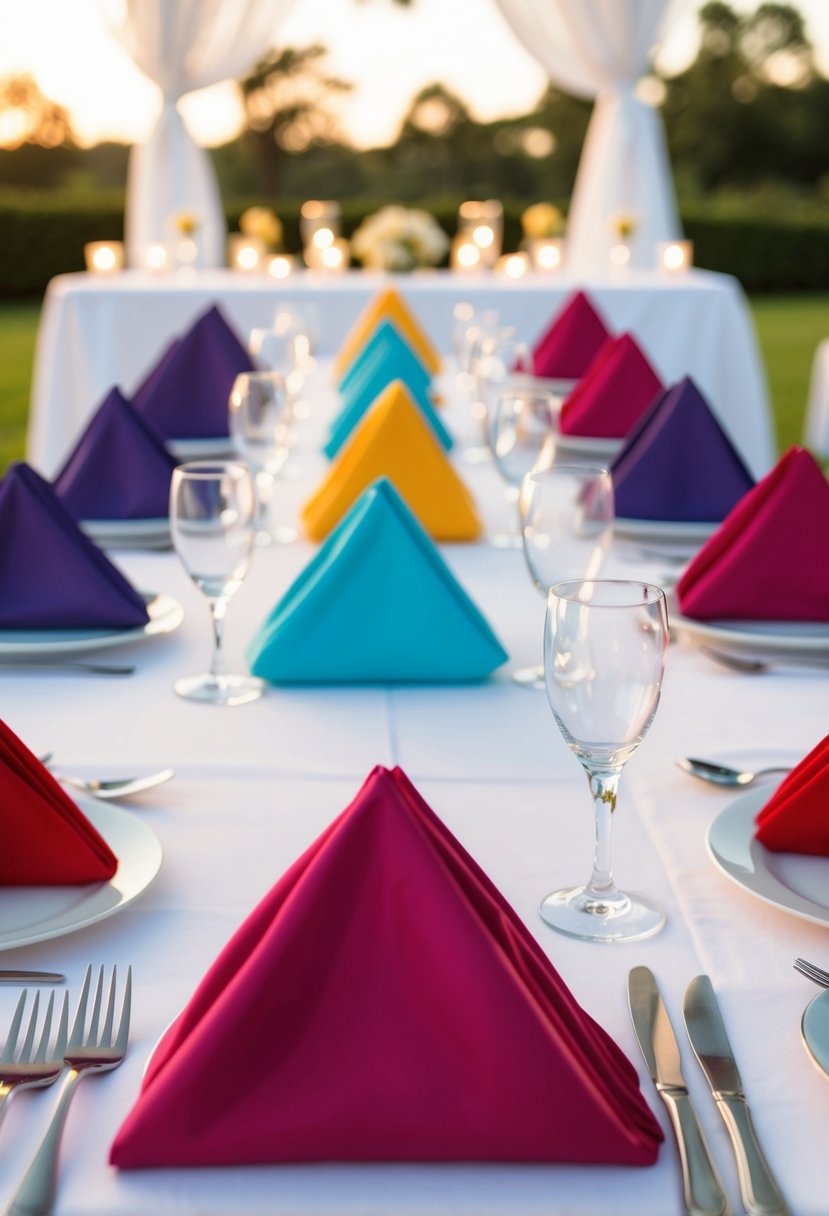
<point x="793" y="882"/>
<point x="588" y="446"/>
<point x="201" y="449"/>
<point x="166" y="614"/>
<point x="35" y="914"/>
<point x="664" y="530"/>
<point x="814" y="1027"/>
<point x="758" y="639"/>
<point x="129" y="533"/>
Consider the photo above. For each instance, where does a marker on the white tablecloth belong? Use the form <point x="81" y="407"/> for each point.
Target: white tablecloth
<point x="257" y="784"/>
<point x="100" y="331"/>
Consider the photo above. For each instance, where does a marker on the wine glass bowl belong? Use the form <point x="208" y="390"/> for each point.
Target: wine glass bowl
<point x="517" y="426"/>
<point x="604" y="654"/>
<point x="259" y="414"/>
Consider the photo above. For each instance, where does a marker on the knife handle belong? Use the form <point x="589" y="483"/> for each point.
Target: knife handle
<point x="760" y="1193"/>
<point x="704" y="1194"/>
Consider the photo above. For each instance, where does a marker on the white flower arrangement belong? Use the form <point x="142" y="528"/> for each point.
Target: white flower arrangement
<point x="399" y="238"/>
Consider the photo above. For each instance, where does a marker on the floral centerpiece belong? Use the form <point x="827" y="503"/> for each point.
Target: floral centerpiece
<point x="263" y="225"/>
<point x="623" y="225"/>
<point x="541" y="220"/>
<point x="399" y="238"/>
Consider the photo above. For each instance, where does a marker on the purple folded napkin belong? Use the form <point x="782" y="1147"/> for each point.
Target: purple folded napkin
<point x="185" y="396"/>
<point x="677" y="463"/>
<point x="51" y="575"/>
<point x="119" y="469"/>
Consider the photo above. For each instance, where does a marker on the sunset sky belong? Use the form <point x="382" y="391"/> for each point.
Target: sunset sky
<point x="388" y="52"/>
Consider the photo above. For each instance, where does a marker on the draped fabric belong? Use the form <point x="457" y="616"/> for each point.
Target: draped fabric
<point x="600" y="49"/>
<point x="184" y="45"/>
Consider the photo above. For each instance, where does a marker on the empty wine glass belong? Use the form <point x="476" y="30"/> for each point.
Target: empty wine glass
<point x="517" y="427"/>
<point x="500" y="361"/>
<point x="260" y="425"/>
<point x="566" y="527"/>
<point x="212" y="512"/>
<point x="604" y="655"/>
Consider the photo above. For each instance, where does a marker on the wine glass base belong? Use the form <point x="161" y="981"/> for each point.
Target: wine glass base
<point x="577" y="912"/>
<point x="529" y="677"/>
<point x="220" y="690"/>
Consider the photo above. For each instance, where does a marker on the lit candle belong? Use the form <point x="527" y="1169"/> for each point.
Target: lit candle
<point x="513" y="265"/>
<point x="620" y="255"/>
<point x="281" y="265"/>
<point x="675" y="257"/>
<point x="548" y="254"/>
<point x="104" y="257"/>
<point x="245" y="253"/>
<point x="156" y="258"/>
<point x="466" y="255"/>
<point x="335" y="256"/>
<point x="482" y="223"/>
<point x="319" y="227"/>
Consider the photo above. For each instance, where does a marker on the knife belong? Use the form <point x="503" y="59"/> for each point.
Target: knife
<point x="760" y="1193"/>
<point x="702" y="1188"/>
<point x="31" y="977"/>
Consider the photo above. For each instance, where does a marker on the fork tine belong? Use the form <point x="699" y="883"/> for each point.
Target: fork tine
<point x="106" y="1034"/>
<point x="124" y="1027"/>
<point x="26" y="1050"/>
<point x="14" y="1030"/>
<point x="43" y="1046"/>
<point x="63" y="1029"/>
<point x="76" y="1037"/>
<point x="92" y="1037"/>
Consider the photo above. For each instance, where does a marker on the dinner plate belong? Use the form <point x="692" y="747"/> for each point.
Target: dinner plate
<point x="201" y="449"/>
<point x="814" y="1028"/>
<point x="680" y="531"/>
<point x="166" y="614"/>
<point x="758" y="639"/>
<point x="588" y="446"/>
<point x="36" y="914"/>
<point x="793" y="882"/>
<point x="129" y="533"/>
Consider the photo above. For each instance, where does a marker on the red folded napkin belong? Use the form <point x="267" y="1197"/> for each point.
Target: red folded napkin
<point x="384" y="1003"/>
<point x="48" y="840"/>
<point x="796" y="817"/>
<point x="769" y="560"/>
<point x="573" y="339"/>
<point x="614" y="392"/>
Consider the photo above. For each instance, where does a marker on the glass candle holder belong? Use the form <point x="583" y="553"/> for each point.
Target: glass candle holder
<point x="465" y="254"/>
<point x="281" y="265"/>
<point x="156" y="258"/>
<point x="675" y="257"/>
<point x="246" y="253"/>
<point x="483" y="224"/>
<point x="319" y="227"/>
<point x="546" y="254"/>
<point x="104" y="257"/>
<point x="512" y="265"/>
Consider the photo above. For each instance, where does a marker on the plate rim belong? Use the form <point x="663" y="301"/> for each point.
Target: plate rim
<point x="821" y="1066"/>
<point x="770" y="644"/>
<point x="742" y="808"/>
<point x="101" y="817"/>
<point x="151" y="526"/>
<point x="170" y="615"/>
<point x="630" y="528"/>
<point x="587" y="444"/>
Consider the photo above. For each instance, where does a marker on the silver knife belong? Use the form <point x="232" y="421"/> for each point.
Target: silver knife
<point x="31" y="977"/>
<point x="701" y="1185"/>
<point x="760" y="1193"/>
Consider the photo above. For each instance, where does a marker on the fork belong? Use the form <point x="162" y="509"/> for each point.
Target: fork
<point x="99" y="1052"/>
<point x="756" y="667"/>
<point x="44" y="1068"/>
<point x="816" y="974"/>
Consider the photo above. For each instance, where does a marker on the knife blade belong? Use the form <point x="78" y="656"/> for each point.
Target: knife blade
<point x="702" y="1189"/>
<point x="759" y="1191"/>
<point x="31" y="977"/>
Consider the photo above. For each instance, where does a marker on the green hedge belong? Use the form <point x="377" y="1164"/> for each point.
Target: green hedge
<point x="42" y="236"/>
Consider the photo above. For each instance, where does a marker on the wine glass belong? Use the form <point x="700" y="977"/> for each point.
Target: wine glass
<point x="604" y="655"/>
<point x="517" y="427"/>
<point x="566" y="527"/>
<point x="260" y="425"/>
<point x="212" y="512"/>
<point x="500" y="361"/>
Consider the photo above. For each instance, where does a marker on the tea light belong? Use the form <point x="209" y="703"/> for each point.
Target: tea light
<point x="104" y="257"/>
<point x="547" y="254"/>
<point x="156" y="258"/>
<point x="319" y="227"/>
<point x="620" y="255"/>
<point x="335" y="256"/>
<point x="675" y="257"/>
<point x="281" y="265"/>
<point x="513" y="265"/>
<point x="245" y="252"/>
<point x="466" y="255"/>
<point x="483" y="224"/>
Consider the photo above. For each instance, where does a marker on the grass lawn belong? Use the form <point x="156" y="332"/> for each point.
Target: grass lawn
<point x="788" y="329"/>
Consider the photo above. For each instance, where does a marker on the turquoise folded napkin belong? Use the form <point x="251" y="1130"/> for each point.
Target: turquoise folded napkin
<point x="386" y="358"/>
<point x="377" y="604"/>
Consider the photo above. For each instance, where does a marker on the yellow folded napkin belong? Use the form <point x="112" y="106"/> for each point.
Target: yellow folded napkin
<point x="394" y="440"/>
<point x="388" y="305"/>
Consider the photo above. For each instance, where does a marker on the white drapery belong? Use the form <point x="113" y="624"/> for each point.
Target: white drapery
<point x="600" y="49"/>
<point x="184" y="45"/>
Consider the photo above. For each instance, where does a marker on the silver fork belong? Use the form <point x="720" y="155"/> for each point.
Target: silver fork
<point x="816" y="974"/>
<point x="99" y="1052"/>
<point x="28" y="1071"/>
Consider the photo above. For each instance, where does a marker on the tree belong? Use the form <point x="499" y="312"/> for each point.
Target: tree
<point x="28" y="116"/>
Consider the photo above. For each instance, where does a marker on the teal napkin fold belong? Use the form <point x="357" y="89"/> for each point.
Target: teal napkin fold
<point x="376" y="604"/>
<point x="385" y="358"/>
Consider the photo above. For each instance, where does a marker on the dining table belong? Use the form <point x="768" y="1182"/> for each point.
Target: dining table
<point x="102" y="330"/>
<point x="256" y="784"/>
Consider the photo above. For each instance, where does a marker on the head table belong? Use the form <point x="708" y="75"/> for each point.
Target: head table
<point x="101" y="330"/>
<point x="255" y="785"/>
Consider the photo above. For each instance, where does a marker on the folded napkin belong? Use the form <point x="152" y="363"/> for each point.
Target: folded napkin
<point x="387" y="305"/>
<point x="769" y="560"/>
<point x="155" y="373"/>
<point x="614" y="392"/>
<point x="678" y="463"/>
<point x="796" y="817"/>
<point x="186" y="396"/>
<point x="394" y="440"/>
<point x="119" y="469"/>
<point x="51" y="575"/>
<point x="574" y="338"/>
<point x="48" y="840"/>
<point x="385" y="365"/>
<point x="384" y="1003"/>
<point x="388" y="345"/>
<point x="376" y="603"/>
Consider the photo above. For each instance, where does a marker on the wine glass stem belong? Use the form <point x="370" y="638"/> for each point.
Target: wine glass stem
<point x="264" y="490"/>
<point x="218" y="608"/>
<point x="604" y="786"/>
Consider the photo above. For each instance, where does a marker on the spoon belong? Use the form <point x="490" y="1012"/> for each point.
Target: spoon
<point x="120" y="787"/>
<point x="722" y="774"/>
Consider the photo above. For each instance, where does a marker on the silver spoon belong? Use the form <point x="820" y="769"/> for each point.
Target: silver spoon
<point x="722" y="774"/>
<point x="120" y="787"/>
